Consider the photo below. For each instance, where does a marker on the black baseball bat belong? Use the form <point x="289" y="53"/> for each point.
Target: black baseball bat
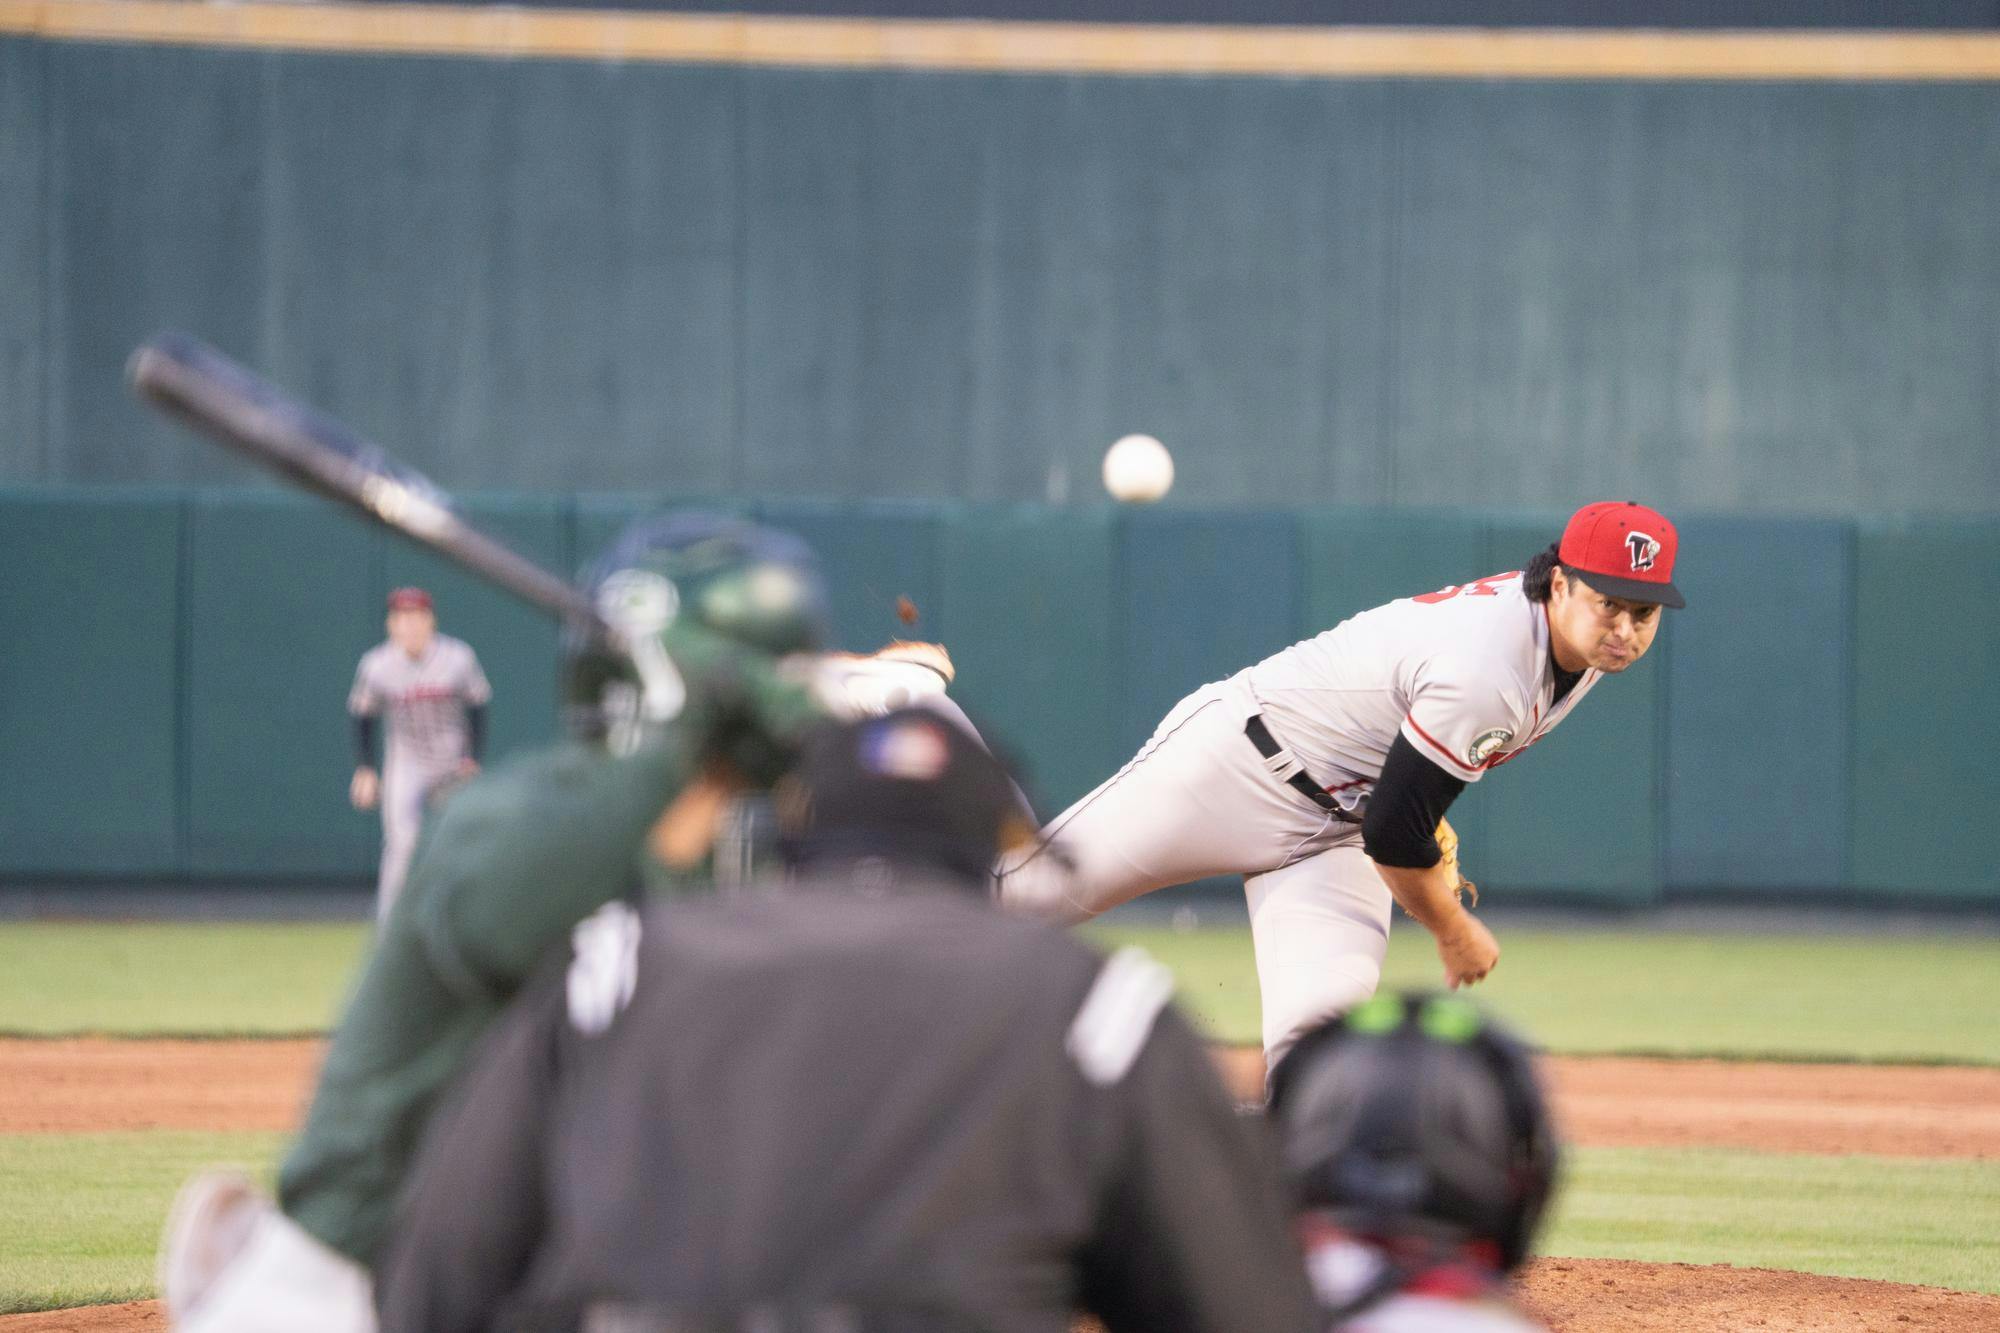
<point x="229" y="403"/>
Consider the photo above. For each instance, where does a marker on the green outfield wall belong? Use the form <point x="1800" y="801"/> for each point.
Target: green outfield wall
<point x="1740" y="294"/>
<point x="176" y="661"/>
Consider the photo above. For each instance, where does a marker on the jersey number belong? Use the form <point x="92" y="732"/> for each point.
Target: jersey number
<point x="1486" y="587"/>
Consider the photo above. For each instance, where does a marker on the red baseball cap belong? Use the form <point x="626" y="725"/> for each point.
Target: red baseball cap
<point x="409" y="599"/>
<point x="1623" y="549"/>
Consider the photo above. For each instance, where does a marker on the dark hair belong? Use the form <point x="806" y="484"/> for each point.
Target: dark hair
<point x="1536" y="577"/>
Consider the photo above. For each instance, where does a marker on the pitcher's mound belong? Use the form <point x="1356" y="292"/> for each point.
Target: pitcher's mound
<point x="1617" y="1296"/>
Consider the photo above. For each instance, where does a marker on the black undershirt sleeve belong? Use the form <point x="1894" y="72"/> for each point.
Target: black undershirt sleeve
<point x="364" y="740"/>
<point x="1400" y="828"/>
<point x="475" y="731"/>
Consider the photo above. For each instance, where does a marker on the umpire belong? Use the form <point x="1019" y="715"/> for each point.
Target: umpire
<point x="868" y="1103"/>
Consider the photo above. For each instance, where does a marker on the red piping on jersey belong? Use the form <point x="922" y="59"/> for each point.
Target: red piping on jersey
<point x="1533" y="722"/>
<point x="1411" y="718"/>
<point x="1500" y="759"/>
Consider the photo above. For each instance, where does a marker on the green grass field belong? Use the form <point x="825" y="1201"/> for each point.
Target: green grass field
<point x="1902" y="999"/>
<point x="80" y="1213"/>
<point x="174" y="978"/>
<point x="1923" y="999"/>
<point x="1905" y="1220"/>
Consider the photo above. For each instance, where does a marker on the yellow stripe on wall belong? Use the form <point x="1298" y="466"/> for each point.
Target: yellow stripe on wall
<point x="1065" y="48"/>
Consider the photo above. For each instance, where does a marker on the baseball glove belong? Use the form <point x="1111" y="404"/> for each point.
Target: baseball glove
<point x="1447" y="840"/>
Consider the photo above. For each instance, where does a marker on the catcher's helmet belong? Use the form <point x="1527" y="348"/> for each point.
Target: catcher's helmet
<point x="1415" y="1116"/>
<point x="756" y="586"/>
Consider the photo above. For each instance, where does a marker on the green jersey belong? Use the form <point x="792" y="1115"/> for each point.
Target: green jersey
<point x="502" y="873"/>
<point x="506" y="868"/>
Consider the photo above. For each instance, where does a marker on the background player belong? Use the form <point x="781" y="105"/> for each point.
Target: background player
<point x="1421" y="1157"/>
<point x="1321" y="774"/>
<point x="865" y="1101"/>
<point x="431" y="689"/>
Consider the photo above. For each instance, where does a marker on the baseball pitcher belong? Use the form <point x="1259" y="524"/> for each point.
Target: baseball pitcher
<point x="1322" y="774"/>
<point x="430" y="688"/>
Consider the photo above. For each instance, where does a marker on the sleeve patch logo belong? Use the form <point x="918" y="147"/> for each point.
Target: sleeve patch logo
<point x="1485" y="743"/>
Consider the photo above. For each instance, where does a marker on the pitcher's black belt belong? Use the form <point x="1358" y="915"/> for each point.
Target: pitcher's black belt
<point x="1267" y="745"/>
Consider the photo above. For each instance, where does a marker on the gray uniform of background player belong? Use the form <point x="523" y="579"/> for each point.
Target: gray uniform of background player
<point x="422" y="701"/>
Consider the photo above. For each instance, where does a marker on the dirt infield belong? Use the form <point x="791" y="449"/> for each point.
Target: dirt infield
<point x="73" y="1086"/>
<point x="145" y="1315"/>
<point x="1572" y="1295"/>
<point x="91" y="1084"/>
<point x="1613" y="1102"/>
<point x="1607" y="1295"/>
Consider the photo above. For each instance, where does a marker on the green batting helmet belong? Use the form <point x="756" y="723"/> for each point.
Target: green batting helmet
<point x="755" y="586"/>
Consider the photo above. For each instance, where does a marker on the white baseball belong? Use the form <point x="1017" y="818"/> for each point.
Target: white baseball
<point x="1138" y="469"/>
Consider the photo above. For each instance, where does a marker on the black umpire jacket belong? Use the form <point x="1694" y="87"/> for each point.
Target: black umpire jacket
<point x="860" y="1103"/>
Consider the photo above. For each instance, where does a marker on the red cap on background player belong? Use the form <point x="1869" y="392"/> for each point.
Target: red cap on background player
<point x="409" y="599"/>
<point x="1623" y="550"/>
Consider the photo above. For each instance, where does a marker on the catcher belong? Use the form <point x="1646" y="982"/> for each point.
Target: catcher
<point x="1421" y="1159"/>
<point x="1322" y="773"/>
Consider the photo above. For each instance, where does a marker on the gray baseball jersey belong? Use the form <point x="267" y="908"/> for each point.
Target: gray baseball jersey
<point x="1463" y="672"/>
<point x="423" y="699"/>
